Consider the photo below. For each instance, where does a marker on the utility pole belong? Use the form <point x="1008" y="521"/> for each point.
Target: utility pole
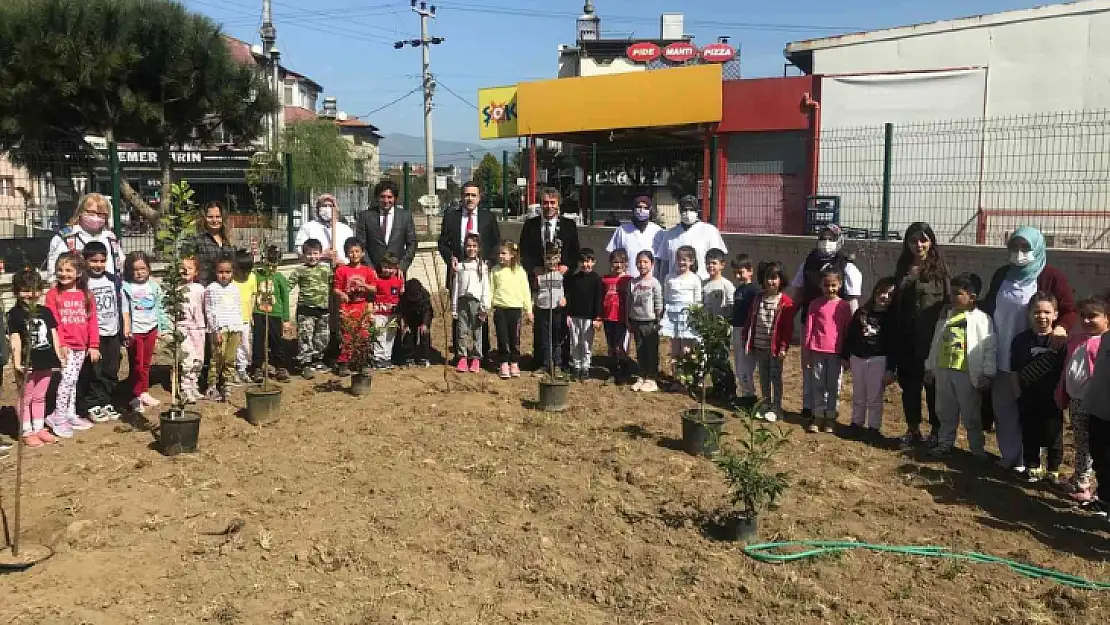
<point x="426" y="42"/>
<point x="268" y="33"/>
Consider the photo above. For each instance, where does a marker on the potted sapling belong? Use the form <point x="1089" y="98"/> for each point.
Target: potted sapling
<point x="701" y="426"/>
<point x="554" y="386"/>
<point x="179" y="428"/>
<point x="753" y="483"/>
<point x="264" y="398"/>
<point x="360" y="333"/>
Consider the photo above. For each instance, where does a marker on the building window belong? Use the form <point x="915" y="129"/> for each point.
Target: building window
<point x="358" y="139"/>
<point x="7" y="186"/>
<point x="288" y="95"/>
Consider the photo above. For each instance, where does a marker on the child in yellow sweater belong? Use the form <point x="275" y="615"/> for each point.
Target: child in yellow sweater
<point x="512" y="299"/>
<point x="244" y="278"/>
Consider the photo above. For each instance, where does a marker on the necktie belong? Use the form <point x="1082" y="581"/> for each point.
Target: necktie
<point x="547" y="232"/>
<point x="469" y="224"/>
<point x="385" y="221"/>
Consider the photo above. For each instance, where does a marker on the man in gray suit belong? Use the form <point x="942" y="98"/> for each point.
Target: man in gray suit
<point x="387" y="228"/>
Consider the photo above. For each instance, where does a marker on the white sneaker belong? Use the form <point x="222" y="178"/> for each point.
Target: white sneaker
<point x="649" y="386"/>
<point x="770" y="416"/>
<point x="147" y="400"/>
<point x="96" y="413"/>
<point x="638" y="385"/>
<point x="136" y="405"/>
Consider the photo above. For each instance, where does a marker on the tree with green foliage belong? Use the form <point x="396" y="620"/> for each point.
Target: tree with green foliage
<point x="488" y="175"/>
<point x="143" y="71"/>
<point x="322" y="158"/>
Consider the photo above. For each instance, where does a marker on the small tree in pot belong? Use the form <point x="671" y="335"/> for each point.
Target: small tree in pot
<point x="360" y="333"/>
<point x="179" y="429"/>
<point x="753" y="484"/>
<point x="264" y="399"/>
<point x="554" y="387"/>
<point x="701" y="427"/>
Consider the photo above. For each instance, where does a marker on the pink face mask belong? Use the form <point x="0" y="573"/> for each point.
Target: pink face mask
<point x="92" y="223"/>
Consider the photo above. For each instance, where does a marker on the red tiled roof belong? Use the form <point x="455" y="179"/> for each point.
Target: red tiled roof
<point x="297" y="114"/>
<point x="240" y="50"/>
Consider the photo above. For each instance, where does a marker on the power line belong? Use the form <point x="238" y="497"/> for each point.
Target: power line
<point x="459" y="97"/>
<point x="391" y="103"/>
<point x="313" y="23"/>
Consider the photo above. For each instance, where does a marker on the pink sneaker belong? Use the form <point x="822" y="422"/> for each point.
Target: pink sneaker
<point x="514" y="370"/>
<point x="45" y="436"/>
<point x="1083" y="495"/>
<point x="32" y="440"/>
<point x="148" y="400"/>
<point x="462" y="368"/>
<point x="475" y="365"/>
<point x="504" y="372"/>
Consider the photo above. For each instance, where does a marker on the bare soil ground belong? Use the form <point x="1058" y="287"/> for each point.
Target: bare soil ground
<point x="434" y="503"/>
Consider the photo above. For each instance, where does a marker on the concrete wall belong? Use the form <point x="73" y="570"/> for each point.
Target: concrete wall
<point x="1088" y="272"/>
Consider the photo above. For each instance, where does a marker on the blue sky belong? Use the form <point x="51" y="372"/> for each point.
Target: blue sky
<point x="347" y="45"/>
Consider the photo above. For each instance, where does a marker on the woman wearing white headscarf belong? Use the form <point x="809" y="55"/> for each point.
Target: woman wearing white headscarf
<point x="320" y="228"/>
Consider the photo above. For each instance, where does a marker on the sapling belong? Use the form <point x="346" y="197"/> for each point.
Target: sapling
<point x="171" y="243"/>
<point x="709" y="353"/>
<point x="746" y="464"/>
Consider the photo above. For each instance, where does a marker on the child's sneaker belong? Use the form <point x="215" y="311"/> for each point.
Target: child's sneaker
<point x="281" y="375"/>
<point x="148" y="400"/>
<point x="770" y="416"/>
<point x="475" y="365"/>
<point x="59" y="427"/>
<point x="342" y="370"/>
<point x="514" y="370"/>
<point x="244" y="378"/>
<point x="136" y="406"/>
<point x="79" y="424"/>
<point x="829" y="426"/>
<point x="909" y="440"/>
<point x="940" y="450"/>
<point x="638" y="385"/>
<point x="214" y="395"/>
<point x="110" y="412"/>
<point x="461" y="367"/>
<point x="308" y="372"/>
<point x="649" y="386"/>
<point x="931" y="440"/>
<point x="424" y="363"/>
<point x="30" y="440"/>
<point x="96" y="414"/>
<point x="1083" y="495"/>
<point x="812" y="426"/>
<point x="1035" y="474"/>
<point x="504" y="373"/>
<point x="46" y="437"/>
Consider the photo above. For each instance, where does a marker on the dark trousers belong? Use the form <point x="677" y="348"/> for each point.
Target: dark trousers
<point x="506" y="322"/>
<point x="549" y="335"/>
<point x="98" y="381"/>
<point x="258" y="341"/>
<point x="646" y="336"/>
<point x="911" y="377"/>
<point x="416" y="345"/>
<point x="1100" y="454"/>
<point x="1042" y="425"/>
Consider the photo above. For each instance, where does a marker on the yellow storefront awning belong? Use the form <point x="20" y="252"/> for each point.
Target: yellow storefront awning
<point x="658" y="98"/>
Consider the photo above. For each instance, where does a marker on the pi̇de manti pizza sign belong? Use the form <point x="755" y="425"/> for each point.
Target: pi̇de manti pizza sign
<point x="679" y="52"/>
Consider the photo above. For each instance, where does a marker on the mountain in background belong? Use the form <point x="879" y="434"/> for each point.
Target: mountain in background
<point x="397" y="148"/>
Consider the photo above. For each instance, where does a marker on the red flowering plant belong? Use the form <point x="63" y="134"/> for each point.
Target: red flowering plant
<point x="360" y="333"/>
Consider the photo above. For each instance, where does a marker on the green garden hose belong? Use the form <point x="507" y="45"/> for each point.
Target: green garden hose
<point x="772" y="553"/>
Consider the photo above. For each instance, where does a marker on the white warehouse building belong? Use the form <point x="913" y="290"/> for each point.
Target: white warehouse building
<point x="998" y="121"/>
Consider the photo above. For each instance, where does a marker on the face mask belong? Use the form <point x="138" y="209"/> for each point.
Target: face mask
<point x="689" y="218"/>
<point x="1021" y="259"/>
<point x="92" y="223"/>
<point x="324" y="212"/>
<point x="827" y="248"/>
<point x="641" y="214"/>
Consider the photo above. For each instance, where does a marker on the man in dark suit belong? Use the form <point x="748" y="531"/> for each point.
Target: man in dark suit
<point x="457" y="223"/>
<point x="387" y="228"/>
<point x="548" y="226"/>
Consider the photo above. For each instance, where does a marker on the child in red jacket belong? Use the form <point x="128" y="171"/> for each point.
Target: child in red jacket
<point x="388" y="287"/>
<point x="769" y="332"/>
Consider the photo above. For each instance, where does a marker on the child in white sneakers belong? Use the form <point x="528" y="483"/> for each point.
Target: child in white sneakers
<point x="222" y="307"/>
<point x="194" y="326"/>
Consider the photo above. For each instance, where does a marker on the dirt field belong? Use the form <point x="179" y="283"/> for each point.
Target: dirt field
<point x="422" y="505"/>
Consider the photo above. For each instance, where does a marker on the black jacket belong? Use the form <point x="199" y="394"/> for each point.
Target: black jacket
<point x="402" y="237"/>
<point x="531" y="244"/>
<point x="584" y="293"/>
<point x="451" y="238"/>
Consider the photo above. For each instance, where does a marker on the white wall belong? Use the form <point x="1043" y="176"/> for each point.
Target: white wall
<point x="621" y="65"/>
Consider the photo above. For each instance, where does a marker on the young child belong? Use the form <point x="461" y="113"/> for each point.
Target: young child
<point x="224" y="316"/>
<point x="1075" y="384"/>
<point x="716" y="296"/>
<point x="679" y="293"/>
<point x="313" y="280"/>
<point x="746" y="292"/>
<point x="99" y="379"/>
<point x="1096" y="406"/>
<point x="471" y="298"/>
<point x="272" y="301"/>
<point x="353" y="286"/>
<point x="35" y="332"/>
<point x="614" y="304"/>
<point x="961" y="364"/>
<point x="79" y="335"/>
<point x="584" y="291"/>
<point x="1038" y="364"/>
<point x="142" y="316"/>
<point x="826" y="325"/>
<point x="511" y="300"/>
<point x="194" y="326"/>
<point x="247" y="284"/>
<point x="770" y="329"/>
<point x="866" y="346"/>
<point x="645" y="310"/>
<point x="416" y="315"/>
<point x="388" y="288"/>
<point x="550" y="305"/>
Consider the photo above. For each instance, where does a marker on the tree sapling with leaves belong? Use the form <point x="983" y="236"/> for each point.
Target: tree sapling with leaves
<point x="550" y="310"/>
<point x="271" y="320"/>
<point x="171" y="241"/>
<point x="747" y="465"/>
<point x="708" y="353"/>
<point x="354" y="285"/>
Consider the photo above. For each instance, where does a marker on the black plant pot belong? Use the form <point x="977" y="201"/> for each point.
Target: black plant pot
<point x="360" y="384"/>
<point x="553" y="395"/>
<point x="700" y="438"/>
<point x="263" y="404"/>
<point x="178" y="432"/>
<point x="744" y="529"/>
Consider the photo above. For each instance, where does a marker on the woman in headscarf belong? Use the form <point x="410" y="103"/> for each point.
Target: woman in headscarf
<point x="1011" y="288"/>
<point x="921" y="295"/>
<point x="642" y="234"/>
<point x="212" y="240"/>
<point x="327" y="211"/>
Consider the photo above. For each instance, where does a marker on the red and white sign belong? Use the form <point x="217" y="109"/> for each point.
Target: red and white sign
<point x="680" y="52"/>
<point x="718" y="53"/>
<point x="643" y="52"/>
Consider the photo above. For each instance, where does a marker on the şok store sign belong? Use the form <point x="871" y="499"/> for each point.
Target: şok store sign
<point x="679" y="52"/>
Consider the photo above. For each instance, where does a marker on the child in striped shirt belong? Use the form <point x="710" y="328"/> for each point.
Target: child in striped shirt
<point x="223" y="309"/>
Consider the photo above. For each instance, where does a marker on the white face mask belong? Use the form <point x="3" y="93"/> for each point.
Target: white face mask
<point x="324" y="213"/>
<point x="1021" y="259"/>
<point x="689" y="218"/>
<point x="828" y="248"/>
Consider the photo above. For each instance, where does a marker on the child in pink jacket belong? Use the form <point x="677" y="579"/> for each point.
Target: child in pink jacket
<point x="72" y="305"/>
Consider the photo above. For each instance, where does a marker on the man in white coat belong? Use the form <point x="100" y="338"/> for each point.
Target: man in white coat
<point x="320" y="229"/>
<point x="689" y="231"/>
<point x="642" y="234"/>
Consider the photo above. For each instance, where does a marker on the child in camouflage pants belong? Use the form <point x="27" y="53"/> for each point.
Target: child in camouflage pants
<point x="313" y="279"/>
